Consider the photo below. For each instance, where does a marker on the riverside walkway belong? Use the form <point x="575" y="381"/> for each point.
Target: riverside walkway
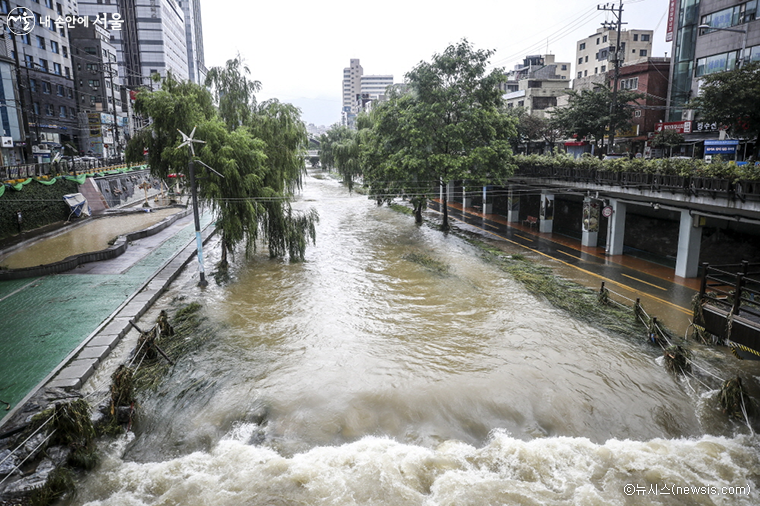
<point x="57" y="328"/>
<point x="662" y="293"/>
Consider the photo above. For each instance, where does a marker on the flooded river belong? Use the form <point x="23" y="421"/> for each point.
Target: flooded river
<point x="360" y="377"/>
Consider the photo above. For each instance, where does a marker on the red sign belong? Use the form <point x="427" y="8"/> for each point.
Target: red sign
<point x="682" y="127"/>
<point x="671" y="21"/>
<point x="132" y="94"/>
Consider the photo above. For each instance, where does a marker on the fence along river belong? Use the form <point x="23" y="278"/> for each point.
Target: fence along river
<point x="361" y="377"/>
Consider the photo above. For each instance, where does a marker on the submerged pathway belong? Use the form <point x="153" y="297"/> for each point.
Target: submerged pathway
<point x="661" y="291"/>
<point x="44" y="320"/>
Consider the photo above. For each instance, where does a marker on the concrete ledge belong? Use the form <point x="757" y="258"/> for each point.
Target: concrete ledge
<point x="67" y="264"/>
<point x="94" y="352"/>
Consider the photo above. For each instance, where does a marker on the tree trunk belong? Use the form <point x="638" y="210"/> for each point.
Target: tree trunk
<point x="445" y="225"/>
<point x="223" y="261"/>
<point x="418" y="204"/>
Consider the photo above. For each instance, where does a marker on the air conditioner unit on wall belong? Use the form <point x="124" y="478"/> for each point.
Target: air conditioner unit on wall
<point x="687" y="115"/>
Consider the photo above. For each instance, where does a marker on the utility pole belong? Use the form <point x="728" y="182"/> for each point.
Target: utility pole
<point x="24" y="117"/>
<point x="616" y="73"/>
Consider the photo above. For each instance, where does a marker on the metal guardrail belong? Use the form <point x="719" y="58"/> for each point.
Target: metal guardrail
<point x="696" y="185"/>
<point x="733" y="287"/>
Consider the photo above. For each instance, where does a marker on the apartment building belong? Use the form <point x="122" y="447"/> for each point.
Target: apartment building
<point x="359" y="89"/>
<point x="594" y="55"/>
<point x="537" y="84"/>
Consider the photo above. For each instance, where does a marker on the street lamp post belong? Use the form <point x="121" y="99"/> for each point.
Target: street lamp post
<point x="735" y="30"/>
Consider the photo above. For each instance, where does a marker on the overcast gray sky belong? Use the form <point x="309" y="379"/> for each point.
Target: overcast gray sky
<point x="298" y="49"/>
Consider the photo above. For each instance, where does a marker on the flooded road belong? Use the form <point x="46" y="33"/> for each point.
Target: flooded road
<point x="365" y="376"/>
<point x="91" y="236"/>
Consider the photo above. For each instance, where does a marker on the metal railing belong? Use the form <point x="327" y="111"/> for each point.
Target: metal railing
<point x="696" y="185"/>
<point x="733" y="287"/>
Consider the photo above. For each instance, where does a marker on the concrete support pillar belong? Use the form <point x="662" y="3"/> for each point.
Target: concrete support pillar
<point x="466" y="199"/>
<point x="513" y="205"/>
<point x="616" y="231"/>
<point x="487" y="203"/>
<point x="546" y="216"/>
<point x="689" y="239"/>
<point x="590" y="223"/>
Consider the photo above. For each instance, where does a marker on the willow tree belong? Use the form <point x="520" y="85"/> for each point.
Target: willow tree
<point x="233" y="91"/>
<point x="257" y="164"/>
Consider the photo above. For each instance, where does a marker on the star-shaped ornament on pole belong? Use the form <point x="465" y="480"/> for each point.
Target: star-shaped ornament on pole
<point x="187" y="140"/>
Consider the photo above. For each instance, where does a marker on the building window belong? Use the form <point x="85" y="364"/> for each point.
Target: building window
<point x="36" y="108"/>
<point x="92" y="67"/>
<point x="59" y="9"/>
<point x="94" y="83"/>
<point x="54" y="46"/>
<point x="597" y="41"/>
<point x="59" y="90"/>
<point x="585" y="60"/>
<point x="604" y="68"/>
<point x="67" y="72"/>
<point x="604" y="38"/>
<point x="65" y="51"/>
<point x="564" y="67"/>
<point x="29" y="60"/>
<point x="585" y="73"/>
<point x="49" y="4"/>
<point x="25" y="39"/>
<point x="637" y="113"/>
<point x="629" y="84"/>
<point x="48" y="109"/>
<point x="4" y="7"/>
<point x="635" y="37"/>
<point x="580" y="74"/>
<point x="644" y="37"/>
<point x="46" y="88"/>
<point x="62" y="111"/>
<point x="91" y="50"/>
<point x="582" y="46"/>
<point x="33" y="84"/>
<point x="57" y="68"/>
<point x="596" y="70"/>
<point x="40" y="42"/>
<point x="643" y="52"/>
<point x="69" y="93"/>
<point x="44" y="65"/>
<point x="580" y="60"/>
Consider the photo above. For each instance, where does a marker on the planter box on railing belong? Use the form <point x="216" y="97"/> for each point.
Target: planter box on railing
<point x="712" y="186"/>
<point x="670" y="182"/>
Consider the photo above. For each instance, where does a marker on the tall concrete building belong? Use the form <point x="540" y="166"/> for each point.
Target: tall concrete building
<point x="196" y="60"/>
<point x="40" y="49"/>
<point x="151" y="40"/>
<point x="97" y="83"/>
<point x="701" y="51"/>
<point x="594" y="54"/>
<point x="359" y="89"/>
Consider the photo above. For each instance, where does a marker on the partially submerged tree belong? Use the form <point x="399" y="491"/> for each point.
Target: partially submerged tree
<point x="450" y="127"/>
<point x="730" y="99"/>
<point x="258" y="149"/>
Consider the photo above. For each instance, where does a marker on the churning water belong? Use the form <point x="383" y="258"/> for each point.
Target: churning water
<point x="363" y="377"/>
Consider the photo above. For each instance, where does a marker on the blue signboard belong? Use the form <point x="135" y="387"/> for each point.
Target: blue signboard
<point x="721" y="147"/>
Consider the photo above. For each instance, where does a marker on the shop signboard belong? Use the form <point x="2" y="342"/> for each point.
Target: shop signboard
<point x="721" y="147"/>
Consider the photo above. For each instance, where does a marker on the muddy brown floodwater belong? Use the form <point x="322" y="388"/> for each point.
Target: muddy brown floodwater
<point x="91" y="236"/>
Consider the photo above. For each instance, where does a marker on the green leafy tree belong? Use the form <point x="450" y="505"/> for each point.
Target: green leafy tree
<point x="261" y="163"/>
<point x="335" y="135"/>
<point x="451" y="126"/>
<point x="730" y="99"/>
<point x="589" y="112"/>
<point x="667" y="139"/>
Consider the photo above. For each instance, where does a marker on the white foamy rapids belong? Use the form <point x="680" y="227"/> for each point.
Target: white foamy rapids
<point x="380" y="471"/>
